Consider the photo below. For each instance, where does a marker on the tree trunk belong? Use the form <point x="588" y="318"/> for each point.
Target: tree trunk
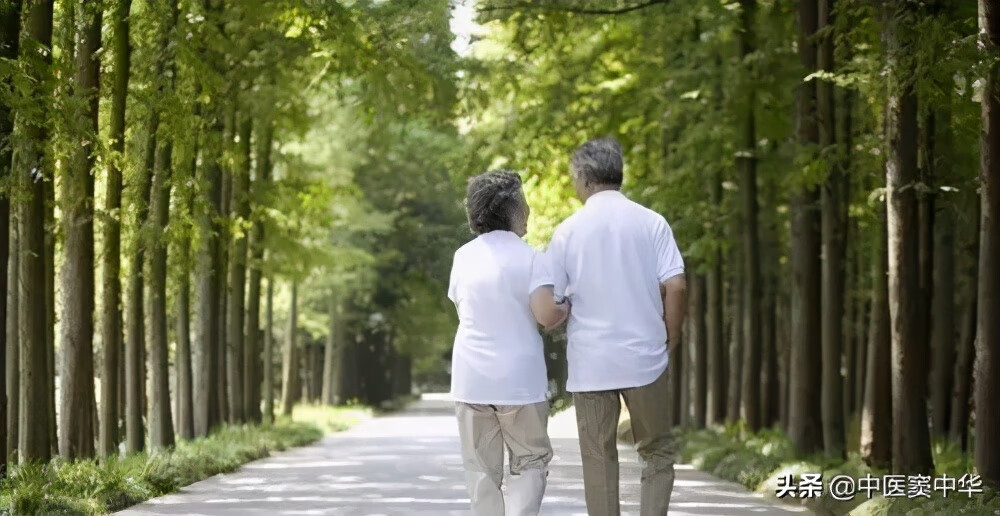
<point x="330" y="353"/>
<point x="238" y="273"/>
<point x="876" y="414"/>
<point x="10" y="29"/>
<point x="958" y="428"/>
<point x="289" y="362"/>
<point x="269" y="355"/>
<point x="111" y="321"/>
<point x="735" y="347"/>
<point x="805" y="420"/>
<point x="700" y="341"/>
<point x="13" y="348"/>
<point x="943" y="335"/>
<point x="676" y="364"/>
<point x="751" y="236"/>
<point x="715" y="326"/>
<point x="223" y="272"/>
<point x="160" y="420"/>
<point x="76" y="423"/>
<point x="987" y="365"/>
<point x="205" y="356"/>
<point x="770" y="382"/>
<point x="911" y="450"/>
<point x="182" y="358"/>
<point x="833" y="245"/>
<point x="254" y="367"/>
<point x="35" y="423"/>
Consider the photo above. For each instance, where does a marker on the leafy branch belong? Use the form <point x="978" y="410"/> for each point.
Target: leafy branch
<point x="550" y="6"/>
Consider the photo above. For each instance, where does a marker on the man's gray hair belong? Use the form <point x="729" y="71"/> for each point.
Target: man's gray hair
<point x="598" y="162"/>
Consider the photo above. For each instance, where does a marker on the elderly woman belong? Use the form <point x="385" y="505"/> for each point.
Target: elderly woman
<point x="501" y="288"/>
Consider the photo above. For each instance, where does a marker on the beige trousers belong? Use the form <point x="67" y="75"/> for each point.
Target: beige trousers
<point x="484" y="431"/>
<point x="597" y="419"/>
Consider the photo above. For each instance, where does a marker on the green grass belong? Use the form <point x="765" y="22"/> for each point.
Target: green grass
<point x="758" y="460"/>
<point x="92" y="487"/>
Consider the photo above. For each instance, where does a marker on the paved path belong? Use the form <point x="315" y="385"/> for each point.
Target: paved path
<point x="408" y="463"/>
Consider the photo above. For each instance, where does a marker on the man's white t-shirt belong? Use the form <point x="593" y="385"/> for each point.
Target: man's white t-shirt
<point x="498" y="356"/>
<point x="609" y="259"/>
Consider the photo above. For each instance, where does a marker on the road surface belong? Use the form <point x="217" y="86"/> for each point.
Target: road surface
<point x="408" y="463"/>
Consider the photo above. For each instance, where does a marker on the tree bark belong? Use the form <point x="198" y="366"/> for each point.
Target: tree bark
<point x="911" y="449"/>
<point x="987" y="365"/>
<point x="12" y="352"/>
<point x="700" y="340"/>
<point x="289" y="362"/>
<point x="330" y="353"/>
<point x="735" y="347"/>
<point x="833" y="247"/>
<point x="715" y="325"/>
<point x="943" y="334"/>
<point x="10" y="30"/>
<point x="36" y="425"/>
<point x="238" y="272"/>
<point x="876" y="414"/>
<point x="252" y="387"/>
<point x="182" y="358"/>
<point x="805" y="420"/>
<point x="223" y="271"/>
<point x="160" y="419"/>
<point x="76" y="425"/>
<point x="747" y="161"/>
<point x="268" y="360"/>
<point x="958" y="428"/>
<point x="111" y="320"/>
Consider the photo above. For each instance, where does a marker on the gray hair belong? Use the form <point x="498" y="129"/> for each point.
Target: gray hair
<point x="598" y="162"/>
<point x="493" y="201"/>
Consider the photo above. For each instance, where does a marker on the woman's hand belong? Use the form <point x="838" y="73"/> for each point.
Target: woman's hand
<point x="543" y="306"/>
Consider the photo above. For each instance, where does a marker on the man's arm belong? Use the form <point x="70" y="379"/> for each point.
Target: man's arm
<point x="674" y="293"/>
<point x="545" y="309"/>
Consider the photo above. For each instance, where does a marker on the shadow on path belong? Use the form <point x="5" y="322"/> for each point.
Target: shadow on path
<point x="408" y="463"/>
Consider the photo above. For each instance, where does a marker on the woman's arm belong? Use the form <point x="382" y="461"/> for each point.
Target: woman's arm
<point x="545" y="309"/>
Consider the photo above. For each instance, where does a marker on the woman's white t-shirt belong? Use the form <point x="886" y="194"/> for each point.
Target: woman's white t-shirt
<point x="498" y="356"/>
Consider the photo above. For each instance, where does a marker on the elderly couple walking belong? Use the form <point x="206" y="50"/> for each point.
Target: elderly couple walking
<point x="614" y="270"/>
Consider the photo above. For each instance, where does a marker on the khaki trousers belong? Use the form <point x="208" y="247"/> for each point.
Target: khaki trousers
<point x="597" y="416"/>
<point x="484" y="431"/>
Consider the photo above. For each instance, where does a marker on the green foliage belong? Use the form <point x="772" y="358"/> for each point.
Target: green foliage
<point x="759" y="460"/>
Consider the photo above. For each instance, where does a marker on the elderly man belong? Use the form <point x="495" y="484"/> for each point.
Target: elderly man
<point x="618" y="266"/>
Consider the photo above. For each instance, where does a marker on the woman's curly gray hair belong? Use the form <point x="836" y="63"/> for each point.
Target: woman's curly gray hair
<point x="493" y="201"/>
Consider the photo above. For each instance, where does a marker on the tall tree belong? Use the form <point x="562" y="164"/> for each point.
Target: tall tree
<point x="987" y="368"/>
<point x="76" y="425"/>
<point x="876" y="411"/>
<point x="10" y="30"/>
<point x="33" y="172"/>
<point x="290" y="360"/>
<point x="252" y="361"/>
<point x="911" y="450"/>
<point x="716" y="408"/>
<point x="805" y="421"/>
<point x="330" y="352"/>
<point x="943" y="334"/>
<point x="160" y="420"/>
<point x="268" y="359"/>
<point x="751" y="234"/>
<point x="238" y="269"/>
<point x="700" y="348"/>
<point x="833" y="246"/>
<point x="111" y="321"/>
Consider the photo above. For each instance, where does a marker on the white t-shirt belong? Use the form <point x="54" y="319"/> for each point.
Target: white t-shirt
<point x="609" y="259"/>
<point x="498" y="356"/>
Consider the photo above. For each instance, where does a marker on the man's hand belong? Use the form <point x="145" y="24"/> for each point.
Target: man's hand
<point x="544" y="308"/>
<point x="674" y="293"/>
